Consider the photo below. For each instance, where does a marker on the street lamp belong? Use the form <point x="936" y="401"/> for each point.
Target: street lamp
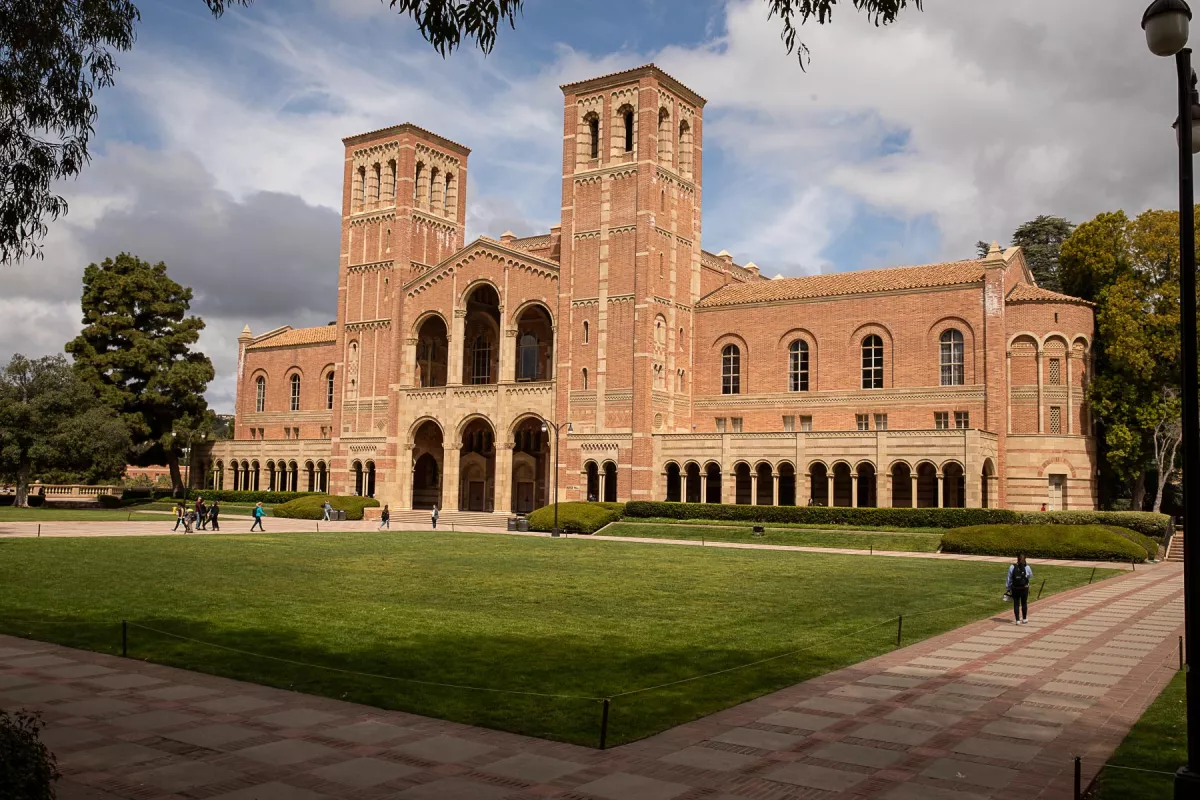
<point x="187" y="465"/>
<point x="1166" y="25"/>
<point x="548" y="426"/>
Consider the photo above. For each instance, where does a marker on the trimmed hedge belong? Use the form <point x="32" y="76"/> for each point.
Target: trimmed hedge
<point x="312" y="506"/>
<point x="826" y="515"/>
<point x="1144" y="542"/>
<point x="1091" y="542"/>
<point x="230" y="496"/>
<point x="576" y="517"/>
<point x="110" y="501"/>
<point x="1147" y="523"/>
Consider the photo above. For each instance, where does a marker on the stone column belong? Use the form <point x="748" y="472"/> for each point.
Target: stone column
<point x="600" y="474"/>
<point x="754" y="488"/>
<point x="941" y="479"/>
<point x="508" y="355"/>
<point x="1008" y="386"/>
<point x="774" y="488"/>
<point x="1041" y="391"/>
<point x="450" y="479"/>
<point x="915" y="480"/>
<point x="1070" y="396"/>
<point x="829" y="491"/>
<point x="703" y="487"/>
<point x="454" y="361"/>
<point x="404" y="475"/>
<point x="503" y="482"/>
<point x="854" y="490"/>
<point x="728" y="486"/>
<point x="803" y="488"/>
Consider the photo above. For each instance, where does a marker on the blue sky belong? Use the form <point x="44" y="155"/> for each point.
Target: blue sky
<point x="218" y="151"/>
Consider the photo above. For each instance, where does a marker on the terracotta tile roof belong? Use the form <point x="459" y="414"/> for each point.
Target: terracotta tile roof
<point x="527" y="242"/>
<point x="325" y="334"/>
<point x="845" y="283"/>
<point x="1027" y="293"/>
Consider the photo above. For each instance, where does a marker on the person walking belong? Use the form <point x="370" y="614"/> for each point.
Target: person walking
<point x="201" y="514"/>
<point x="189" y="519"/>
<point x="1019" y="577"/>
<point x="433" y="516"/>
<point x="259" y="513"/>
<point x="326" y="509"/>
<point x="178" y="517"/>
<point x="385" y="519"/>
<point x="213" y="512"/>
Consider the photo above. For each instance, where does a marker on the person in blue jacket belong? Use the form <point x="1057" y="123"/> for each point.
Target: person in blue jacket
<point x="259" y="513"/>
<point x="1020" y="575"/>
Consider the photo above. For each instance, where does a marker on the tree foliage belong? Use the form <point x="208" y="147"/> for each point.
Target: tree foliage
<point x="136" y="351"/>
<point x="1130" y="269"/>
<point x="1041" y="241"/>
<point x="54" y="54"/>
<point x="50" y="420"/>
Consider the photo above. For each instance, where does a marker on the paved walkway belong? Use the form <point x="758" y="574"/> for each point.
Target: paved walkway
<point x="989" y="710"/>
<point x="29" y="530"/>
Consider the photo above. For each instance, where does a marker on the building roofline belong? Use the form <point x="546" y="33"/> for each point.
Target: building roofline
<point x="613" y="78"/>
<point x="405" y="127"/>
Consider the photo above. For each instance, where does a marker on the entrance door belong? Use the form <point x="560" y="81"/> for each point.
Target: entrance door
<point x="475" y="496"/>
<point x="524" y="497"/>
<point x="1058" y="492"/>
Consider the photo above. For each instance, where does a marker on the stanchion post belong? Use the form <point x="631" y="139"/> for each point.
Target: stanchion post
<point x="604" y="724"/>
<point x="899" y="629"/>
<point x="1093" y="575"/>
<point x="39" y="530"/>
<point x="1181" y="654"/>
<point x="1078" y="778"/>
<point x="1043" y="586"/>
<point x="124" y="639"/>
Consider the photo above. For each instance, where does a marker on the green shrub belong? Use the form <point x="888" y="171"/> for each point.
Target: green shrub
<point x="1144" y="542"/>
<point x="825" y="515"/>
<point x="1147" y="523"/>
<point x="28" y="769"/>
<point x="109" y="501"/>
<point x="36" y="500"/>
<point x="230" y="496"/>
<point x="312" y="506"/>
<point x="576" y="517"/>
<point x="1091" y="542"/>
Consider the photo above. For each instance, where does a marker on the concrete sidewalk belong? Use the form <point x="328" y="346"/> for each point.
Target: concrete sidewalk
<point x="989" y="710"/>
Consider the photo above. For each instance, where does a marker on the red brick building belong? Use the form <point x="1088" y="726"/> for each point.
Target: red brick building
<point x="683" y="375"/>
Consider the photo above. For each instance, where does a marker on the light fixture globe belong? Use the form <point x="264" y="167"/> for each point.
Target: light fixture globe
<point x="1166" y="25"/>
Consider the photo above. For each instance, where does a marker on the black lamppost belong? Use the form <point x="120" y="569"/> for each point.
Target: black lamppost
<point x="1166" y="24"/>
<point x="548" y="426"/>
<point x="187" y="464"/>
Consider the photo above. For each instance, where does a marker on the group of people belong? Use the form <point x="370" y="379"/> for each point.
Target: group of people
<point x="385" y="518"/>
<point x="200" y="517"/>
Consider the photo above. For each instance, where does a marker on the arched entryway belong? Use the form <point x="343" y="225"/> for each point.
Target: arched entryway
<point x="787" y="484"/>
<point x="902" y="494"/>
<point x="593" y="481"/>
<point x="954" y="486"/>
<point x="530" y="467"/>
<point x="741" y="484"/>
<point x="610" y="482"/>
<point x="322" y="477"/>
<point x="535" y="343"/>
<point x="428" y="459"/>
<point x="293" y="473"/>
<point x="712" y="483"/>
<point x="843" y="485"/>
<point x="310" y="476"/>
<point x="432" y="352"/>
<point x="867" y="486"/>
<point x="927" y="485"/>
<point x="766" y="485"/>
<point x="356" y="470"/>
<point x="272" y="478"/>
<point x="477" y="467"/>
<point x="481" y="337"/>
<point x="818" y="491"/>
<point x="986" y="483"/>
<point x="693" y="485"/>
<point x="254" y="473"/>
<point x="674" y="483"/>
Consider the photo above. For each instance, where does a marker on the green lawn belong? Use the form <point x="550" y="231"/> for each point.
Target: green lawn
<point x="724" y="523"/>
<point x="559" y="616"/>
<point x="1158" y="742"/>
<point x="141" y="513"/>
<point x="732" y="532"/>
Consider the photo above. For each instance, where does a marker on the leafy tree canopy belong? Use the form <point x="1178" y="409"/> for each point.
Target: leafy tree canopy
<point x="52" y="421"/>
<point x="1040" y="240"/>
<point x="136" y="351"/>
<point x="54" y="54"/>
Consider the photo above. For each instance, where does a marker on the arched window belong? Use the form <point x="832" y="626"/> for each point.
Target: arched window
<point x="376" y="180"/>
<point x="585" y="382"/>
<point x="361" y="199"/>
<point x="527" y="362"/>
<point x="481" y="360"/>
<point x="684" y="155"/>
<point x="660" y="377"/>
<point x="260" y="393"/>
<point x="731" y="370"/>
<point x="329" y="390"/>
<point x="872" y="362"/>
<point x="662" y="201"/>
<point x="953" y="373"/>
<point x="664" y="135"/>
<point x="585" y="332"/>
<point x="295" y="392"/>
<point x="594" y="132"/>
<point x="391" y="187"/>
<point x="628" y="118"/>
<point x="661" y="265"/>
<point x="420" y="187"/>
<point x="436" y="200"/>
<point x="798" y="366"/>
<point x="660" y="330"/>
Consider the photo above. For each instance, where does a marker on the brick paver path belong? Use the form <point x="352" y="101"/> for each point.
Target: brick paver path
<point x="989" y="710"/>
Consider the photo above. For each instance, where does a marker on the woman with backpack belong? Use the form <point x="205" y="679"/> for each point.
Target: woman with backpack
<point x="1019" y="577"/>
<point x="385" y="519"/>
<point x="213" y="512"/>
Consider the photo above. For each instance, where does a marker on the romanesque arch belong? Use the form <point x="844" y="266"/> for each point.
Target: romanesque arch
<point x="902" y="485"/>
<point x="867" y="485"/>
<point x="787" y="484"/>
<point x="530" y="465"/>
<point x="927" y="485"/>
<point x="954" y="485"/>
<point x="742" y="494"/>
<point x="428" y="458"/>
<point x="534" y="343"/>
<point x="843" y="484"/>
<point x="712" y="482"/>
<point x="592" y="480"/>
<point x="477" y="466"/>
<point x="610" y="482"/>
<point x="818" y="491"/>
<point x="433" y="351"/>
<point x="481" y="335"/>
<point x="765" y="494"/>
<point x="674" y="479"/>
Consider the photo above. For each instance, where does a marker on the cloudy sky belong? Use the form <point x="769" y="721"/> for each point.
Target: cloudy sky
<point x="219" y="151"/>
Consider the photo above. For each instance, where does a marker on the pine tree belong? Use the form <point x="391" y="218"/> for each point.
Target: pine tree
<point x="136" y="351"/>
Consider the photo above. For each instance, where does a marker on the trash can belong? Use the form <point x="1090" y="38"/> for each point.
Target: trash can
<point x="523" y="525"/>
<point x="512" y="523"/>
<point x="341" y="514"/>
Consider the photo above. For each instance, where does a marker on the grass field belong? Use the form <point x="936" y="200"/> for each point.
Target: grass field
<point x="1158" y="742"/>
<point x="571" y="616"/>
<point x="791" y="525"/>
<point x="153" y="511"/>
<point x="854" y="540"/>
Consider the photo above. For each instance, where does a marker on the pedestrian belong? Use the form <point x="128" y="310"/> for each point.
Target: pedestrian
<point x="326" y="508"/>
<point x="189" y="519"/>
<point x="201" y="514"/>
<point x="1017" y="587"/>
<point x="385" y="519"/>
<point x="259" y="513"/>
<point x="213" y="511"/>
<point x="178" y="516"/>
<point x="1043" y="506"/>
<point x="434" y="516"/>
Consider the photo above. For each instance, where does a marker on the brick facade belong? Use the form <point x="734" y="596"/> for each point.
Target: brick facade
<point x="683" y="375"/>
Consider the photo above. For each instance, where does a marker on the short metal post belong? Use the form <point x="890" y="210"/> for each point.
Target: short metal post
<point x="39" y="530"/>
<point x="899" y="629"/>
<point x="1132" y="565"/>
<point x="1043" y="586"/>
<point x="124" y="639"/>
<point x="1093" y="575"/>
<point x="872" y="548"/>
<point x="318" y="527"/>
<point x="604" y="724"/>
<point x="1181" y="654"/>
<point x="1078" y="779"/>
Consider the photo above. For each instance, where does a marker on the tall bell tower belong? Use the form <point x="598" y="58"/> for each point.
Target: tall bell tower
<point x="630" y="269"/>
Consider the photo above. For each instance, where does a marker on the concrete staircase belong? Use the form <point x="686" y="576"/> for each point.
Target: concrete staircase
<point x="1175" y="549"/>
<point x="450" y="520"/>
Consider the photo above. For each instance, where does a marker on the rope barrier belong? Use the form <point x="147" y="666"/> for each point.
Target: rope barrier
<point x="1137" y="769"/>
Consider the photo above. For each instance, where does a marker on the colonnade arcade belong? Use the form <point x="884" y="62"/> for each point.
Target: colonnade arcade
<point x="925" y="485"/>
<point x="479" y="473"/>
<point x="280" y="475"/>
